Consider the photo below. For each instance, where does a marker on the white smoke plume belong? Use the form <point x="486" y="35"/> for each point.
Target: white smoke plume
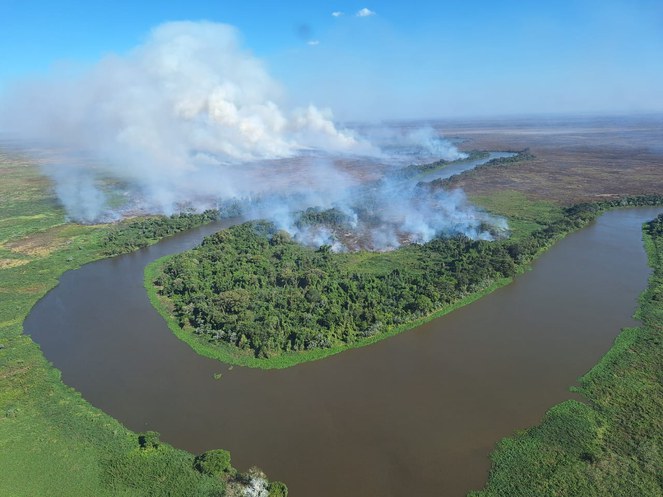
<point x="403" y="145"/>
<point x="190" y="119"/>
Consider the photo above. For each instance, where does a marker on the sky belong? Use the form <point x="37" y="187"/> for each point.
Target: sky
<point x="374" y="60"/>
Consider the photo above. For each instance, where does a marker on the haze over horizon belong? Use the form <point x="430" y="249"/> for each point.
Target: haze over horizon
<point x="185" y="113"/>
<point x="380" y="60"/>
<point x="189" y="119"/>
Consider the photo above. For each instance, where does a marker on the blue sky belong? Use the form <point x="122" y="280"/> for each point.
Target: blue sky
<point x="407" y="60"/>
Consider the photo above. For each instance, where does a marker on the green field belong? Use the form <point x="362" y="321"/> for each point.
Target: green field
<point x="52" y="442"/>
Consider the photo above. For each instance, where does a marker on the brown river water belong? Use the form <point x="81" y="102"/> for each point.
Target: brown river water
<point x="413" y="415"/>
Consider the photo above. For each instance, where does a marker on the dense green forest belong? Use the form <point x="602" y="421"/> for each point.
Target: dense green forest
<point x="252" y="288"/>
<point x="139" y="233"/>
<point x="610" y="444"/>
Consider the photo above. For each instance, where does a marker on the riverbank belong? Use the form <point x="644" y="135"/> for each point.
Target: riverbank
<point x="52" y="441"/>
<point x="611" y="443"/>
<point x="229" y="355"/>
<point x="433" y="401"/>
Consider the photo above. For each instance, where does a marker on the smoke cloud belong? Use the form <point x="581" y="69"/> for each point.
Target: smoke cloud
<point x="190" y="119"/>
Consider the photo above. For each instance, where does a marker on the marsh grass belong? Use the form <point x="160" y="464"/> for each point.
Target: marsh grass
<point x="612" y="442"/>
<point x="52" y="442"/>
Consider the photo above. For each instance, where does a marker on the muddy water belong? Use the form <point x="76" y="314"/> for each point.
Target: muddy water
<point x="416" y="414"/>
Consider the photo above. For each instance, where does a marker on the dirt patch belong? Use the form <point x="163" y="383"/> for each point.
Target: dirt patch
<point x="575" y="160"/>
<point x="40" y="244"/>
<point x="9" y="372"/>
<point x="36" y="245"/>
<point x="10" y="263"/>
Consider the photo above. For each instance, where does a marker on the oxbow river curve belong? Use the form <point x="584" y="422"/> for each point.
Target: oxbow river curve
<point x="416" y="414"/>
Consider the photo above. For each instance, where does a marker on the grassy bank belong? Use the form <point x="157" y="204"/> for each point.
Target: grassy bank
<point x="52" y="442"/>
<point x="612" y="443"/>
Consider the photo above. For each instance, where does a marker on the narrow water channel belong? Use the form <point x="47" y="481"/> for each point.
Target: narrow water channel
<point x="417" y="414"/>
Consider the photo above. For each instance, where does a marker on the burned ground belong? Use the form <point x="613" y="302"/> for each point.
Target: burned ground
<point x="580" y="161"/>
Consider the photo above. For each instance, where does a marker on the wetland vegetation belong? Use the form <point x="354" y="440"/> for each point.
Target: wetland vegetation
<point x="610" y="444"/>
<point x="52" y="442"/>
<point x="138" y="233"/>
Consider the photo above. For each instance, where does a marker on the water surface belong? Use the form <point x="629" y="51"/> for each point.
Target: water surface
<point x="414" y="415"/>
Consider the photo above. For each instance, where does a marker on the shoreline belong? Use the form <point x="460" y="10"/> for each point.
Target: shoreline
<point x="575" y="438"/>
<point x="227" y="356"/>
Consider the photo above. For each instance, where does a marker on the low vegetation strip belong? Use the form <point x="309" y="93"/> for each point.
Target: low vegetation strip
<point x="613" y="443"/>
<point x="500" y="162"/>
<point x="250" y="295"/>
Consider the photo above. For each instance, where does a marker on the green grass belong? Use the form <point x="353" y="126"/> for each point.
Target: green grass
<point x="378" y="263"/>
<point x="52" y="442"/>
<point x="525" y="215"/>
<point x="611" y="445"/>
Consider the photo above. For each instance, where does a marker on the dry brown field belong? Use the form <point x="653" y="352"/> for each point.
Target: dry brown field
<point x="576" y="160"/>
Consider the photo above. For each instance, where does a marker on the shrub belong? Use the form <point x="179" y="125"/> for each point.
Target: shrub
<point x="149" y="440"/>
<point x="213" y="462"/>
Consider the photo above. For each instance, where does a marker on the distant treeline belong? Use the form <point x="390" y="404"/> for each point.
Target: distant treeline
<point x="523" y="155"/>
<point x="416" y="169"/>
<point x="253" y="288"/>
<point x="139" y="233"/>
<point x="314" y="216"/>
<point x="610" y="443"/>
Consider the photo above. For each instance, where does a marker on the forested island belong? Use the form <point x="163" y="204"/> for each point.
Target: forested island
<point x="252" y="295"/>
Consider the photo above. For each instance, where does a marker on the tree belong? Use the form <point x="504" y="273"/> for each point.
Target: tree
<point x="277" y="489"/>
<point x="149" y="440"/>
<point x="214" y="462"/>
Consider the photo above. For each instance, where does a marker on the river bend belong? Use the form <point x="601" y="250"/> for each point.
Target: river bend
<point x="416" y="414"/>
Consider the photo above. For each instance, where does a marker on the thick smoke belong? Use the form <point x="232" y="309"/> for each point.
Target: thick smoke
<point x="191" y="120"/>
<point x="406" y="145"/>
<point x="377" y="215"/>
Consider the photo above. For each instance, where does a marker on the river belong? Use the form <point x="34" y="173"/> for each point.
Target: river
<point x="417" y="414"/>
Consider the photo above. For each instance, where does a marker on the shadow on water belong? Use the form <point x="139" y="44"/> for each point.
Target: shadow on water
<point x="416" y="414"/>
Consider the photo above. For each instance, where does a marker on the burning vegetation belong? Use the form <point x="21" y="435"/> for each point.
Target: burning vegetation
<point x="251" y="293"/>
<point x="190" y="121"/>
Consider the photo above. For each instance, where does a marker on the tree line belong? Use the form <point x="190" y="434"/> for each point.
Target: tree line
<point x="139" y="233"/>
